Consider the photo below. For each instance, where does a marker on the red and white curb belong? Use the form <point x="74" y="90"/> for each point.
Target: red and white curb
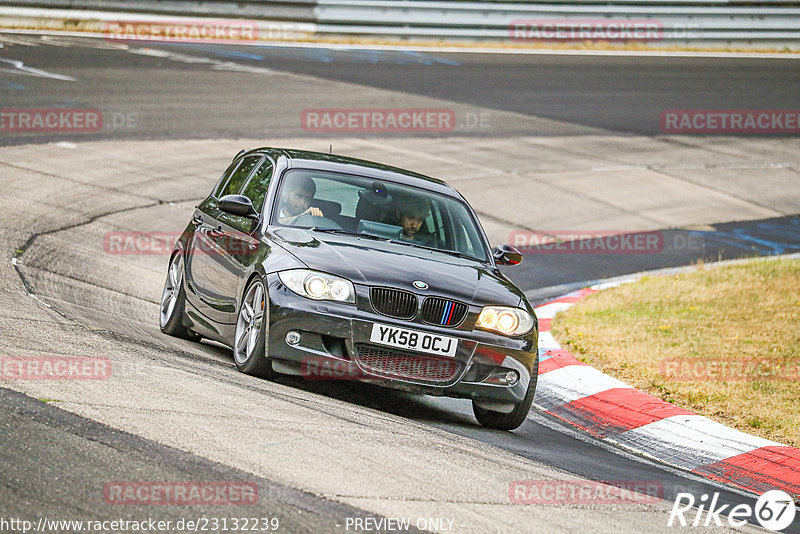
<point x="619" y="414"/>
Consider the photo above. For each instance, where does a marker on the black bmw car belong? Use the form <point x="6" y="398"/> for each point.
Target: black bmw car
<point x="332" y="267"/>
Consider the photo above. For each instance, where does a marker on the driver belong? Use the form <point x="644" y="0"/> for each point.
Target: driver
<point x="296" y="201"/>
<point x="410" y="214"/>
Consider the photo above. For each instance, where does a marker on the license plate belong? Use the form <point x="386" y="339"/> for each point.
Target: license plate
<point x="413" y="340"/>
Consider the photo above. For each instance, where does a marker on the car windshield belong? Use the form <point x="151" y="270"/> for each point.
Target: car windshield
<point x="344" y="203"/>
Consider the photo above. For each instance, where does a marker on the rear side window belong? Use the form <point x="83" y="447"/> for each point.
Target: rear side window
<point x="239" y="176"/>
<point x="256" y="188"/>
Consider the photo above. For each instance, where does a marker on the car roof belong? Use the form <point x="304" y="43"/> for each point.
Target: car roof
<point x="332" y="162"/>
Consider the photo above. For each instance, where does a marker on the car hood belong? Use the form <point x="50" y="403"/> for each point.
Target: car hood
<point x="380" y="263"/>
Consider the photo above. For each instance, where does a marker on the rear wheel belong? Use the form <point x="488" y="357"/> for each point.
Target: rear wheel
<point x="173" y="302"/>
<point x="249" y="340"/>
<point x="507" y="421"/>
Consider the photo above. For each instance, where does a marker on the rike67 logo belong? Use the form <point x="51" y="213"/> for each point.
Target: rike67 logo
<point x="774" y="510"/>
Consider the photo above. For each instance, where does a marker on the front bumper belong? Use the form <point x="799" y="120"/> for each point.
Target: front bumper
<point x="334" y="343"/>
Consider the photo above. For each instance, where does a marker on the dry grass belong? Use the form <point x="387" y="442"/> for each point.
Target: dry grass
<point x="737" y="327"/>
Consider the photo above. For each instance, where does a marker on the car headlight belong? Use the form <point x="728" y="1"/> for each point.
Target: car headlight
<point x="318" y="286"/>
<point x="508" y="321"/>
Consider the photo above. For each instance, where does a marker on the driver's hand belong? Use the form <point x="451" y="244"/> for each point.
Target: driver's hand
<point x="313" y="211"/>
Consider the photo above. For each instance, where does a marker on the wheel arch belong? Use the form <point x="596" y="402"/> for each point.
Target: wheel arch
<point x="258" y="272"/>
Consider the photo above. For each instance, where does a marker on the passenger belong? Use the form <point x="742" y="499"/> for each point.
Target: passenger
<point x="296" y="200"/>
<point x="411" y="214"/>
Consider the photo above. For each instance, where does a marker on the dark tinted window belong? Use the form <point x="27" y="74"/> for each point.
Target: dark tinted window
<point x="239" y="176"/>
<point x="417" y="216"/>
<point x="256" y="188"/>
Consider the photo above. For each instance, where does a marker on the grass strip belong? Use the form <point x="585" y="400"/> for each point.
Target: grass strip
<point x="723" y="342"/>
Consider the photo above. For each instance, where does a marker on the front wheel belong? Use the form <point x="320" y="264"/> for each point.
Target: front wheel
<point x="173" y="301"/>
<point x="249" y="340"/>
<point x="507" y="421"/>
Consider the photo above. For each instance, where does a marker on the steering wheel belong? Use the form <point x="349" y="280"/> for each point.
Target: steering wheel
<point x="309" y="220"/>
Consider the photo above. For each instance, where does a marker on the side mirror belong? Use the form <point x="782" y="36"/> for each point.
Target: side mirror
<point x="507" y="255"/>
<point x="238" y="205"/>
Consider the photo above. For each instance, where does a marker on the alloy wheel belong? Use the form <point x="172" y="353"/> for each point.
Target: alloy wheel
<point x="249" y="323"/>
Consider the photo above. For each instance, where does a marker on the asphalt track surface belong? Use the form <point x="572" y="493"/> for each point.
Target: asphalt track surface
<point x="38" y="440"/>
<point x="620" y="94"/>
<point x="623" y="94"/>
<point x="166" y="92"/>
<point x="37" y="434"/>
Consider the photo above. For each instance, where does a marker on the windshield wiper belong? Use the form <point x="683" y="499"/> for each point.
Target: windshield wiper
<point x="347" y="232"/>
<point x="442" y="250"/>
<point x="398" y="241"/>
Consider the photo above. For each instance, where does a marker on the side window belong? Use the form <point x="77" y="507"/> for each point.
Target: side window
<point x="256" y="188"/>
<point x="223" y="179"/>
<point x="239" y="176"/>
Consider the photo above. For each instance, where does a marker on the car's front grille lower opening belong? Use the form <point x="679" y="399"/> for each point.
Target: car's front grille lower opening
<point x="393" y="302"/>
<point x="335" y="346"/>
<point x="406" y="365"/>
<point x="443" y="312"/>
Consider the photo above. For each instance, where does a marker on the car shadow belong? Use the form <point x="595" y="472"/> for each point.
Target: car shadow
<point x="438" y="411"/>
<point x="422" y="408"/>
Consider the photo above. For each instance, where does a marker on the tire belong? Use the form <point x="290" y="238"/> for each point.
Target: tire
<point x="249" y="340"/>
<point x="173" y="301"/>
<point x="507" y="421"/>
